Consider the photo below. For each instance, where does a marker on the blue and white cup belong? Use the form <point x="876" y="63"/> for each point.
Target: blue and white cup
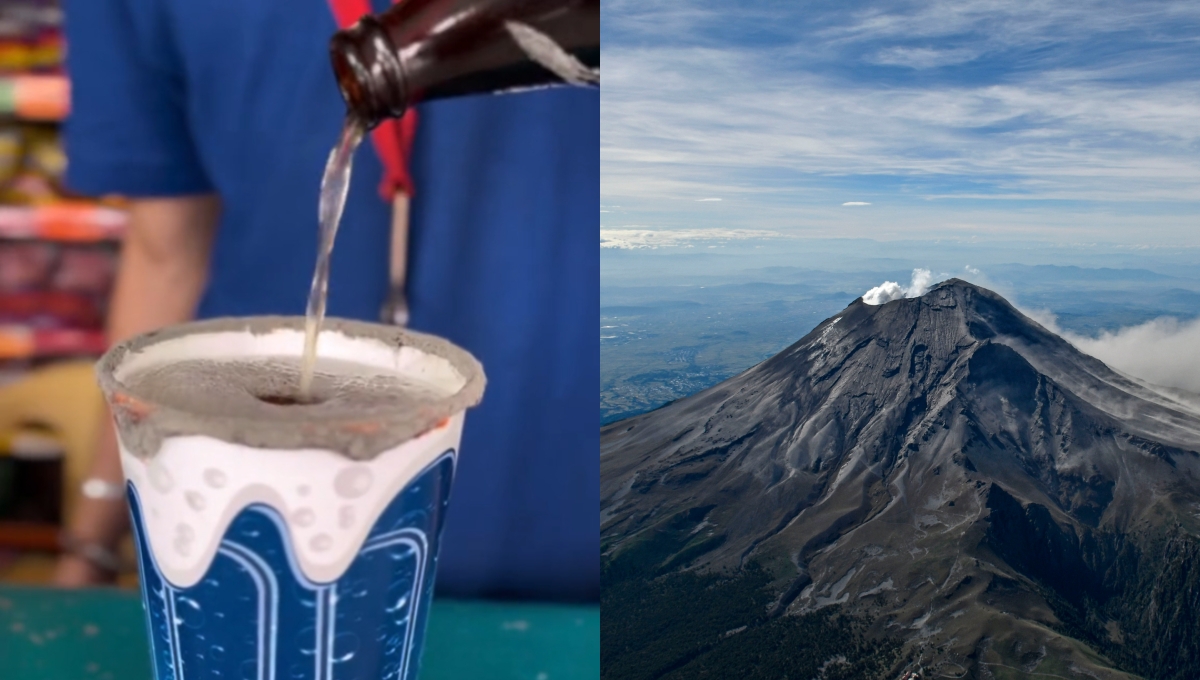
<point x="288" y="549"/>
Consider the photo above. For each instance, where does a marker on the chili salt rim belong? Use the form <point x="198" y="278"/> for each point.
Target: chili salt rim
<point x="143" y="423"/>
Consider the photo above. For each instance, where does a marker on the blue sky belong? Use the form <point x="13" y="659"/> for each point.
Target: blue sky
<point x="1066" y="121"/>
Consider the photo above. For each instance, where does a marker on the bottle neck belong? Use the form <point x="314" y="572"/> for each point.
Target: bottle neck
<point x="369" y="72"/>
<point x="421" y="50"/>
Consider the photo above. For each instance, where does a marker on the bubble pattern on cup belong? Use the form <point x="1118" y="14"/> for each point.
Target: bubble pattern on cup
<point x="353" y="481"/>
<point x="161" y="478"/>
<point x="195" y="500"/>
<point x="304" y="517"/>
<point x="214" y="478"/>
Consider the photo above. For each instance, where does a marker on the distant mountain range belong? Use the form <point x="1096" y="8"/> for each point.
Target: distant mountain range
<point x="935" y="484"/>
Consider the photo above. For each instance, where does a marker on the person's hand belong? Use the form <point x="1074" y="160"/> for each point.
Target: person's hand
<point x="73" y="571"/>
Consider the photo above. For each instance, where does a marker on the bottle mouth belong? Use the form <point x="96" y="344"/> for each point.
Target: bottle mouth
<point x="368" y="71"/>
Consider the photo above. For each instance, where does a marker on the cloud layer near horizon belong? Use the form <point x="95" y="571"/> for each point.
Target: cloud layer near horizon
<point x="631" y="238"/>
<point x="990" y="104"/>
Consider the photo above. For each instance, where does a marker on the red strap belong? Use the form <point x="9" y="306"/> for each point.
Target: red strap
<point x="392" y="138"/>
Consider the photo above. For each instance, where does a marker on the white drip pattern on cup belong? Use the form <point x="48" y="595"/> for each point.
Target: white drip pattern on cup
<point x="327" y="524"/>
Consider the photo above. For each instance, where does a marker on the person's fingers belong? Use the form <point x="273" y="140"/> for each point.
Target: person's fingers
<point x="75" y="572"/>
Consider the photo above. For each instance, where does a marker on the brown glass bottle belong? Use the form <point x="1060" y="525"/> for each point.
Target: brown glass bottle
<point x="421" y="50"/>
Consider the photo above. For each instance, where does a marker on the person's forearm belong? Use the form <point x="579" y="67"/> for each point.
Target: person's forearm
<point x="162" y="274"/>
<point x="164" y="264"/>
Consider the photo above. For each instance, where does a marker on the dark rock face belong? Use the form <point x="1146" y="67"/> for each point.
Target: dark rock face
<point x="982" y="484"/>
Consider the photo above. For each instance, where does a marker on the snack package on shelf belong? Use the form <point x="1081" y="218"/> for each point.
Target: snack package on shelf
<point x="85" y="269"/>
<point x="55" y="285"/>
<point x="33" y="85"/>
<point x="12" y="153"/>
<point x="50" y="309"/>
<point x="53" y="290"/>
<point x="26" y="265"/>
<point x="38" y="179"/>
<point x="23" y="350"/>
<point x="34" y="203"/>
<point x="30" y="36"/>
<point x="35" y="97"/>
<point x="32" y="164"/>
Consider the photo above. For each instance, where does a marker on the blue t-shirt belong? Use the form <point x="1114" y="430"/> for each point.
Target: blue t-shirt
<point x="237" y="97"/>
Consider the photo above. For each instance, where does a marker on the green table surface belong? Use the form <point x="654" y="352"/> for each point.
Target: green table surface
<point x="48" y="634"/>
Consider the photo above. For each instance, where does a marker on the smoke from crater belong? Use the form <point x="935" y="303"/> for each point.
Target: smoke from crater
<point x="891" y="290"/>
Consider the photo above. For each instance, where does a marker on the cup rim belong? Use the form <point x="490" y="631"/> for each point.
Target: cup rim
<point x="143" y="423"/>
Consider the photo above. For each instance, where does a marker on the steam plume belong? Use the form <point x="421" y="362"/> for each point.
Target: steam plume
<point x="891" y="290"/>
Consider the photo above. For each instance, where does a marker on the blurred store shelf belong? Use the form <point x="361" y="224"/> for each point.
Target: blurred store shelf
<point x="40" y="536"/>
<point x="24" y="342"/>
<point x="57" y="261"/>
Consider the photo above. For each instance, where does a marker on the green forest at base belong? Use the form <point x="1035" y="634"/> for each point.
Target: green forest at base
<point x="1157" y="612"/>
<point x="683" y="624"/>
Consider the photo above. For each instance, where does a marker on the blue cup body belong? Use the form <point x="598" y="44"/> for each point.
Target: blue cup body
<point x="254" y="615"/>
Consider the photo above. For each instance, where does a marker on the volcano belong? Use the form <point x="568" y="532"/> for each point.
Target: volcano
<point x="943" y="473"/>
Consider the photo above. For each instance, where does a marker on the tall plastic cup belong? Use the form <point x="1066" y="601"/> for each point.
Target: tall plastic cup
<point x="293" y="542"/>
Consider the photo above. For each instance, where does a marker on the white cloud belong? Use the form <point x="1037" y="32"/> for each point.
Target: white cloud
<point x="1007" y="25"/>
<point x="702" y="200"/>
<point x="636" y="238"/>
<point x="1060" y="134"/>
<point x="855" y="203"/>
<point x="922" y="57"/>
<point x="1051" y="118"/>
<point x="1162" y="352"/>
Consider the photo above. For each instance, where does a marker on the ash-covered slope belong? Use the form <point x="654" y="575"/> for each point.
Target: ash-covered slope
<point x="946" y="466"/>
